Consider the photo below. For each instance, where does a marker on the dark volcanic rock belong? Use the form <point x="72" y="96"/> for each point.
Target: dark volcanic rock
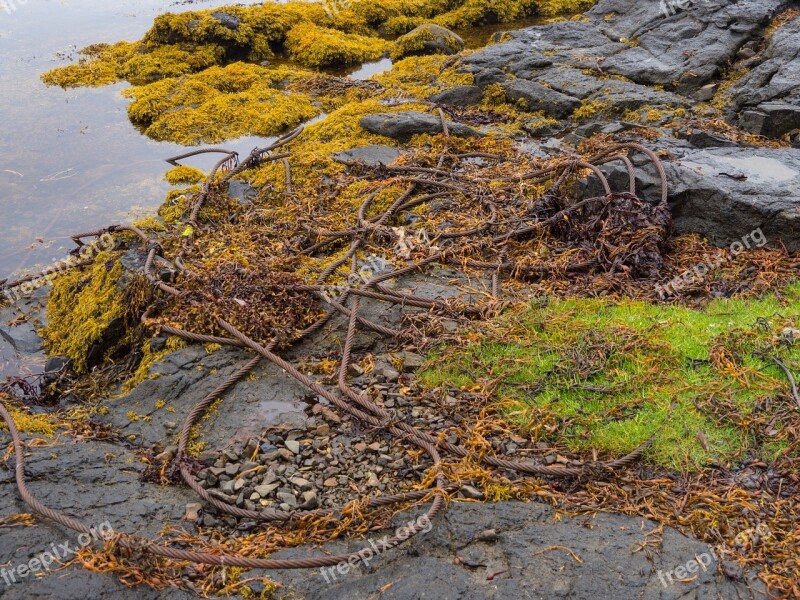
<point x="768" y="97"/>
<point x="771" y="119"/>
<point x="725" y="193"/>
<point x="227" y="20"/>
<point x="512" y="542"/>
<point x="403" y="125"/>
<point x="537" y="97"/>
<point x="686" y="49"/>
<point x="462" y="95"/>
<point x="635" y="40"/>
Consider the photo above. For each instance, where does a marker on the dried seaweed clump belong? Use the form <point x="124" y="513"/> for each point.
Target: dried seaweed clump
<point x="248" y="298"/>
<point x="623" y="232"/>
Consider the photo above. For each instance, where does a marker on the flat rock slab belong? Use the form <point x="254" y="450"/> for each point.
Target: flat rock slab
<point x="403" y="125"/>
<point x="94" y="482"/>
<point x="529" y="556"/>
<point x="154" y="411"/>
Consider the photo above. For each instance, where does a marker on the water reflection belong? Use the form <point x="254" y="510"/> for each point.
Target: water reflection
<point x="70" y="160"/>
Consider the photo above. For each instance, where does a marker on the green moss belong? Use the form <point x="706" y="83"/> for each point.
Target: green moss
<point x="81" y="306"/>
<point x="313" y="46"/>
<point x="596" y="374"/>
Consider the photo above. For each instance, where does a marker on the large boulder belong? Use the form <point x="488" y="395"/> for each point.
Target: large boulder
<point x="726" y="192"/>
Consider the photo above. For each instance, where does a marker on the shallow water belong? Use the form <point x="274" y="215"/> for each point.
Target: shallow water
<point x="70" y="160"/>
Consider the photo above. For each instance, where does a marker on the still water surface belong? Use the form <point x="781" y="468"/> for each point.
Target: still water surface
<point x="70" y="160"/>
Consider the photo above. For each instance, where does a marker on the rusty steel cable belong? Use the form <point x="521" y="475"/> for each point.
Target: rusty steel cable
<point x="349" y="401"/>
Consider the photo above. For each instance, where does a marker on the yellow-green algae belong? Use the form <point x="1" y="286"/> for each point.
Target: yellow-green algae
<point x="176" y="204"/>
<point x="81" y="306"/>
<point x="182" y="43"/>
<point x="26" y="422"/>
<point x="314" y="46"/>
<point x="421" y="76"/>
<point x="183" y="174"/>
<point x="103" y="64"/>
<point x="149" y="358"/>
<point x="608" y="375"/>
<point x="192" y="86"/>
<point x="219" y="103"/>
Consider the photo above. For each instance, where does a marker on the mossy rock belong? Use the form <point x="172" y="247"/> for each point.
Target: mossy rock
<point x="610" y="374"/>
<point x="90" y="311"/>
<point x="313" y="46"/>
<point x="428" y="38"/>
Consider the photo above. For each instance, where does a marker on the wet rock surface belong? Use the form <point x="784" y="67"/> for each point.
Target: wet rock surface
<point x="21" y="351"/>
<point x="401" y="126"/>
<point x="519" y="550"/>
<point x="153" y="413"/>
<point x="95" y="481"/>
<point x="684" y="52"/>
<point x="726" y="192"/>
